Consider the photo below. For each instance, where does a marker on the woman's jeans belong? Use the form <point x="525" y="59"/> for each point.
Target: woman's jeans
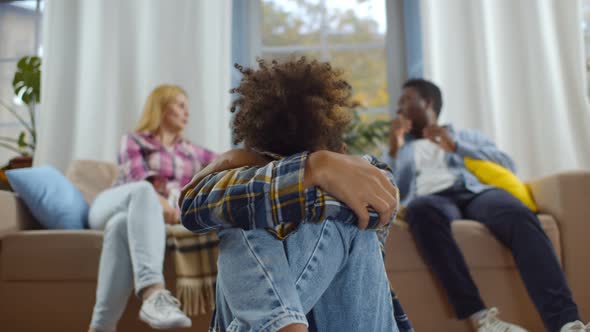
<point x="332" y="272"/>
<point x="132" y="251"/>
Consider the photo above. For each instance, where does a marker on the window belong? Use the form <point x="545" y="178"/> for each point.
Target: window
<point x="348" y="33"/>
<point x="20" y="33"/>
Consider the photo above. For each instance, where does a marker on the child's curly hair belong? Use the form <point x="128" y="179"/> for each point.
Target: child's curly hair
<point x="291" y="107"/>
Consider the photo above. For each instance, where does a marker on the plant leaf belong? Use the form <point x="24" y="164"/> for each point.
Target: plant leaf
<point x="22" y="143"/>
<point x="362" y="137"/>
<point x="27" y="78"/>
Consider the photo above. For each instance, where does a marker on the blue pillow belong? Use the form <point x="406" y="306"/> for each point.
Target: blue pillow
<point x="50" y="196"/>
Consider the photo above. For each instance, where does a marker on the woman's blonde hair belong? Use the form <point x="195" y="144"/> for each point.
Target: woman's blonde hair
<point x="151" y="118"/>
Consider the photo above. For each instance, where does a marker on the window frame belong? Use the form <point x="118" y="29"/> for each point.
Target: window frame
<point x="324" y="48"/>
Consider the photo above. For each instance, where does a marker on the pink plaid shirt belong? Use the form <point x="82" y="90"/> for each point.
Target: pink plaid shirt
<point x="144" y="157"/>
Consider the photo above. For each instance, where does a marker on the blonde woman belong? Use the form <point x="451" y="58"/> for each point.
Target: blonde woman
<point x="155" y="161"/>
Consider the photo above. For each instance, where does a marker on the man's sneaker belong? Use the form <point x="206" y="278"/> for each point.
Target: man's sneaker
<point x="490" y="323"/>
<point x="161" y="311"/>
<point x="576" y="326"/>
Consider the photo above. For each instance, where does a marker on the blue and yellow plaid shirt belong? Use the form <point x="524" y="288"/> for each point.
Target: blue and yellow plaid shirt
<point x="272" y="197"/>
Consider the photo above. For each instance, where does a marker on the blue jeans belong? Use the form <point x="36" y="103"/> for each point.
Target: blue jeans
<point x="132" y="251"/>
<point x="515" y="226"/>
<point x="335" y="269"/>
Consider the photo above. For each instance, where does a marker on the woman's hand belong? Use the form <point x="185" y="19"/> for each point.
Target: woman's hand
<point x="160" y="184"/>
<point x="231" y="159"/>
<point x="355" y="182"/>
<point x="171" y="216"/>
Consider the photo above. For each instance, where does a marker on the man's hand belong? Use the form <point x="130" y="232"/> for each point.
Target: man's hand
<point x="399" y="127"/>
<point x="231" y="159"/>
<point x="440" y="135"/>
<point x="355" y="182"/>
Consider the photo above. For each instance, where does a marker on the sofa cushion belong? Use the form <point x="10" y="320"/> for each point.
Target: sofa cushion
<point x="51" y="255"/>
<point x="15" y="215"/>
<point x="91" y="176"/>
<point x="74" y="255"/>
<point x="54" y="201"/>
<point x="57" y="255"/>
<point x="493" y="174"/>
<point x="479" y="246"/>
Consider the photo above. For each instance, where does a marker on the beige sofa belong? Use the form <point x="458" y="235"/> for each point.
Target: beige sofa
<point x="48" y="278"/>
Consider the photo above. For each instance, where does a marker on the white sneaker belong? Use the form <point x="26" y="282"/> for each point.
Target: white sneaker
<point x="490" y="323"/>
<point x="161" y="311"/>
<point x="576" y="326"/>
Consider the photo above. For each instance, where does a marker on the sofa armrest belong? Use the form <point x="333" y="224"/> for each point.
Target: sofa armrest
<point x="566" y="196"/>
<point x="14" y="215"/>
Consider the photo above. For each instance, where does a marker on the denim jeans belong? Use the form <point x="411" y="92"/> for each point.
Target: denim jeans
<point x="132" y="250"/>
<point x="332" y="269"/>
<point x="515" y="226"/>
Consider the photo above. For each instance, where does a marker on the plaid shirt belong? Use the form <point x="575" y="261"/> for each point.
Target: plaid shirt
<point x="143" y="157"/>
<point x="272" y="197"/>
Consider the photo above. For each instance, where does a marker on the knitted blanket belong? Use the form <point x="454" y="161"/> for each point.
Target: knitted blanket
<point x="195" y="262"/>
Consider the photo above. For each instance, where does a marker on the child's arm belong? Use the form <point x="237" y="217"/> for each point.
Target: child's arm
<point x="234" y="158"/>
<point x="284" y="193"/>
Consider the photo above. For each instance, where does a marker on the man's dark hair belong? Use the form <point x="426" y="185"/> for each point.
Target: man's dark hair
<point x="427" y="90"/>
<point x="291" y="107"/>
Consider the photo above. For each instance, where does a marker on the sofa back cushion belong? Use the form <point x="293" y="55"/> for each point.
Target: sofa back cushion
<point x="91" y="176"/>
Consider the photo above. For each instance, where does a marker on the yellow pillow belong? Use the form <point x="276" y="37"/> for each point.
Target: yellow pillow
<point x="495" y="175"/>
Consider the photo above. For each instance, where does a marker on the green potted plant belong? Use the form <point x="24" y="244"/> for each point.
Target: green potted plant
<point x="366" y="138"/>
<point x="27" y="87"/>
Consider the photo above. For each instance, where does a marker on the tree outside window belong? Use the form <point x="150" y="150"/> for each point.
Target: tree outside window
<point x="351" y="35"/>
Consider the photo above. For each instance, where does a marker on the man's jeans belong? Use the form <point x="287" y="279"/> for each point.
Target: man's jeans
<point x="335" y="269"/>
<point x="515" y="226"/>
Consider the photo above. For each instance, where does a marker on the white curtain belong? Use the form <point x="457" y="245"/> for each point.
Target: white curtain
<point x="515" y="70"/>
<point x="102" y="58"/>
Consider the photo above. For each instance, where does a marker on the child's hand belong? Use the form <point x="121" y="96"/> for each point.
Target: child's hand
<point x="231" y="159"/>
<point x="355" y="182"/>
